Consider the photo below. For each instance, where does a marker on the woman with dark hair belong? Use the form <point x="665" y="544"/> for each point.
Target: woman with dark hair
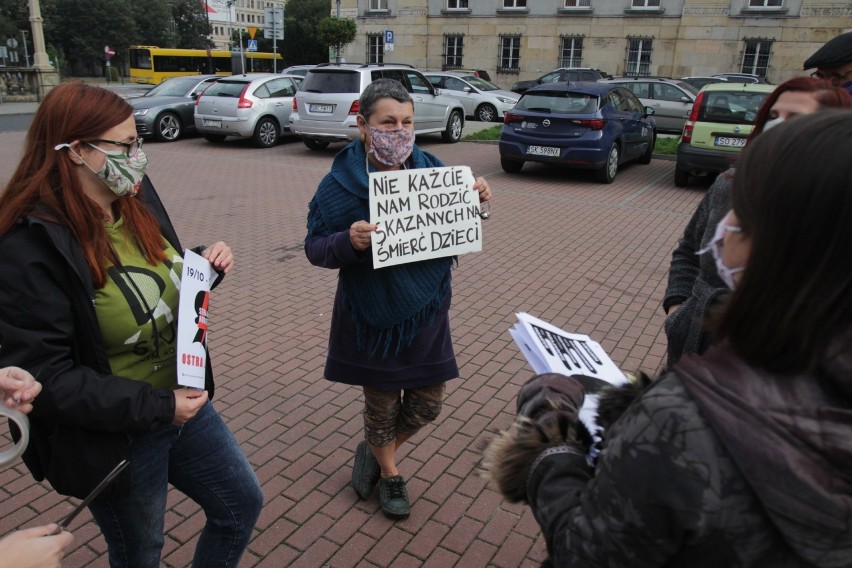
<point x="694" y="287"/>
<point x="90" y="269"/>
<point x="742" y="456"/>
<point x="390" y="329"/>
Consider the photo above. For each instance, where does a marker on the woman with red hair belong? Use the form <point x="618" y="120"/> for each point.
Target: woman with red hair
<point x="90" y="268"/>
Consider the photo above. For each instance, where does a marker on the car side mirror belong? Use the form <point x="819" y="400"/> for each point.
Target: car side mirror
<point x="467" y="90"/>
<point x="193" y="96"/>
<point x="685" y="99"/>
<point x="648" y="111"/>
<point x="437" y="91"/>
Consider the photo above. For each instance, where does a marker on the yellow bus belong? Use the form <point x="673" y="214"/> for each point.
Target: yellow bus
<point x="152" y="65"/>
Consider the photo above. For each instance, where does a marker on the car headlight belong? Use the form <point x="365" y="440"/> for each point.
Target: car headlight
<point x="140" y="112"/>
<point x="507" y="100"/>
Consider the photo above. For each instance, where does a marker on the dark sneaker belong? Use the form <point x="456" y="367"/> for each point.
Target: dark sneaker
<point x="366" y="471"/>
<point x="394" y="497"/>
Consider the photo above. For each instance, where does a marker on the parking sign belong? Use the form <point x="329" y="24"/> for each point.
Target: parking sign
<point x="388" y="40"/>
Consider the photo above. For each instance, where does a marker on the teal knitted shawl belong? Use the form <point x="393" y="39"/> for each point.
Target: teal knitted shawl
<point x="389" y="306"/>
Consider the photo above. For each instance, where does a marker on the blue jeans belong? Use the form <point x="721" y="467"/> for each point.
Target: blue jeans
<point x="202" y="460"/>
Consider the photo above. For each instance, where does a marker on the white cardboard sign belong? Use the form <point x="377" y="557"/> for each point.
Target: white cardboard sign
<point x="423" y="213"/>
<point x="193" y="309"/>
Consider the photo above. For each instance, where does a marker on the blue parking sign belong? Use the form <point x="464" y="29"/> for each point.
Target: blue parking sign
<point x="252" y="45"/>
<point x="388" y="36"/>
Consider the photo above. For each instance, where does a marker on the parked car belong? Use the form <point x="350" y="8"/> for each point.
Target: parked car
<point x="325" y="108"/>
<point x="300" y="70"/>
<point x="671" y="99"/>
<point x="481" y="100"/>
<point x="560" y="75"/>
<point x="165" y="112"/>
<point x="580" y="125"/>
<point x="741" y="78"/>
<point x="722" y="118"/>
<point x="255" y="105"/>
<point x="481" y="73"/>
<point x="699" y="81"/>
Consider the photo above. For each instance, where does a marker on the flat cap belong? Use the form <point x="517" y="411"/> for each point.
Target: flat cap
<point x="835" y="52"/>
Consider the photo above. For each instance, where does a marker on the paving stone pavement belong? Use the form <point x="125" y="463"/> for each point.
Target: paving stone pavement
<point x="587" y="257"/>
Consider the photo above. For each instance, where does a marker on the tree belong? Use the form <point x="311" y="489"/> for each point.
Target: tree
<point x="301" y="45"/>
<point x="190" y="24"/>
<point x="84" y="27"/>
<point x="337" y="32"/>
<point x="153" y="23"/>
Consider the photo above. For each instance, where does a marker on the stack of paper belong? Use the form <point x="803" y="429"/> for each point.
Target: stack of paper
<point x="549" y="349"/>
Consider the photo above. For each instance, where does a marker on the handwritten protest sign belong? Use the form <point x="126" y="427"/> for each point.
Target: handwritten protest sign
<point x="192" y="320"/>
<point x="423" y="213"/>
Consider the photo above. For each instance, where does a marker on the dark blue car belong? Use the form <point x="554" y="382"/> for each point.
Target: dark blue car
<point x="594" y="126"/>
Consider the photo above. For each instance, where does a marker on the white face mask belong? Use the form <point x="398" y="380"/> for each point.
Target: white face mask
<point x="771" y="123"/>
<point x="717" y="248"/>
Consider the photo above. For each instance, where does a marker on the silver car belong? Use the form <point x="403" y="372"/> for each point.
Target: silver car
<point x="326" y="105"/>
<point x="482" y="100"/>
<point x="671" y="99"/>
<point x="165" y="113"/>
<point x="255" y="105"/>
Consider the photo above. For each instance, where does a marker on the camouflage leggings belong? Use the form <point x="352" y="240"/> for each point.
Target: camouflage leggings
<point x="388" y="413"/>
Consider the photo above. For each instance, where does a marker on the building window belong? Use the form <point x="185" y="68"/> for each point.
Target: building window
<point x="756" y="56"/>
<point x="638" y="56"/>
<point x="376" y="48"/>
<point x="514" y="3"/>
<point x="453" y="51"/>
<point x="765" y="3"/>
<point x="510" y="53"/>
<point x="457" y="5"/>
<point x="379" y="5"/>
<point x="645" y="3"/>
<point x="578" y="3"/>
<point x="572" y="51"/>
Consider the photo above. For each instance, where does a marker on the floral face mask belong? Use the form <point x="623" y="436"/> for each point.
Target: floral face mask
<point x="391" y="147"/>
<point x="122" y="173"/>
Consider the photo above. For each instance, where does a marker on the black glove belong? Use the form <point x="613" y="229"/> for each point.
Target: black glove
<point x="548" y="406"/>
<point x="550" y="392"/>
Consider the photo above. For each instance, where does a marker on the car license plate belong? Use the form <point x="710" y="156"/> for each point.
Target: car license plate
<point x="212" y="123"/>
<point x="322" y="108"/>
<point x="730" y="142"/>
<point x="543" y="151"/>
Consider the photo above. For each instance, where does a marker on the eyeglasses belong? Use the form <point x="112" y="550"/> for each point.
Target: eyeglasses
<point x="130" y="148"/>
<point x="831" y="76"/>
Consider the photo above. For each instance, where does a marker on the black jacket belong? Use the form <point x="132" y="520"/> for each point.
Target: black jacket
<point x="81" y="422"/>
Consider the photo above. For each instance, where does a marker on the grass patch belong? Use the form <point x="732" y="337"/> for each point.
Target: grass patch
<point x="666" y="145"/>
<point x="489" y="134"/>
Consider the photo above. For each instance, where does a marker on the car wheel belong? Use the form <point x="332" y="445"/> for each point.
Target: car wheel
<point x="606" y="174"/>
<point x="681" y="177"/>
<point x="265" y="133"/>
<point x="315" y="144"/>
<point x="167" y="127"/>
<point x="646" y="157"/>
<point x="214" y="137"/>
<point x="486" y="113"/>
<point x="454" y="128"/>
<point x="511" y="166"/>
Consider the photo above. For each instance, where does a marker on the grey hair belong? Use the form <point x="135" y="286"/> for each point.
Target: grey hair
<point x="382" y="89"/>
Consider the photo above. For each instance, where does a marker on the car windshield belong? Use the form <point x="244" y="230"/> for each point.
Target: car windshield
<point x="225" y="88"/>
<point x="554" y="102"/>
<point x="480" y="84"/>
<point x="731" y="107"/>
<point x="176" y="87"/>
<point x="331" y="81"/>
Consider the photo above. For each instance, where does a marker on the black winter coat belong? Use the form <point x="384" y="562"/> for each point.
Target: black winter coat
<point x="81" y="422"/>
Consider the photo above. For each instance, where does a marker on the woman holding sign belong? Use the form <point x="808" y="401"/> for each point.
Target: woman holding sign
<point x="390" y="329"/>
<point x="90" y="267"/>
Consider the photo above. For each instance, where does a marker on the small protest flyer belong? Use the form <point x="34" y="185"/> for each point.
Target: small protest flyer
<point x="193" y="309"/>
<point x="423" y="213"/>
<point x="549" y="349"/>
